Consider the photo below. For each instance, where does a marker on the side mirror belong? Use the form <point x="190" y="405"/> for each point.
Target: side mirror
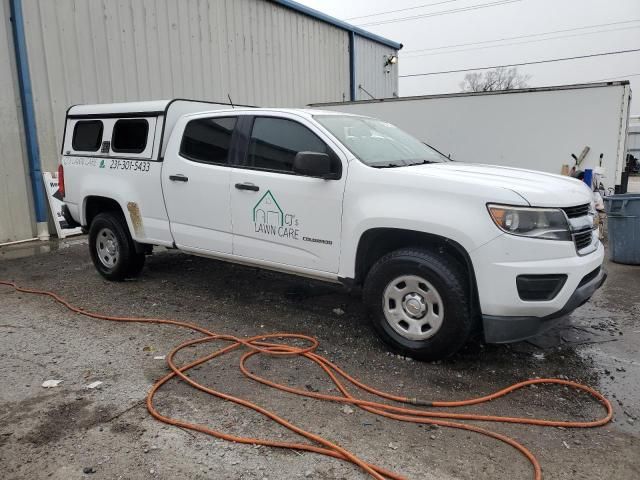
<point x="313" y="164"/>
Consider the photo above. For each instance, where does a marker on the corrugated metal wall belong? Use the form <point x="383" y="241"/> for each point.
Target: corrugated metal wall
<point x="379" y="80"/>
<point x="100" y="51"/>
<point x="16" y="217"/>
<point x="96" y="51"/>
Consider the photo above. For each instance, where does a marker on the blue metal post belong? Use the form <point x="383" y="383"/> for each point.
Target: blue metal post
<point x="28" y="112"/>
<point x="352" y="65"/>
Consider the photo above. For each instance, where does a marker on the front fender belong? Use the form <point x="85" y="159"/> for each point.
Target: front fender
<point x="433" y="206"/>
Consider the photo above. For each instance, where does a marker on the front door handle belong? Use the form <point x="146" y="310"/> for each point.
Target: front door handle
<point x="178" y="178"/>
<point x="247" y="186"/>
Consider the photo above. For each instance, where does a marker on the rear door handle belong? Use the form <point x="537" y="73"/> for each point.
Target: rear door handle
<point x="178" y="178"/>
<point x="247" y="186"/>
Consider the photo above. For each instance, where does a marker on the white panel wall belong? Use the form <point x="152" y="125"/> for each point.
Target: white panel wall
<point x="16" y="222"/>
<point x="379" y="80"/>
<point x="535" y="129"/>
<point x="95" y="51"/>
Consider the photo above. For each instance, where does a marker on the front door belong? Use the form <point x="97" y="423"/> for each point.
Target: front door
<point x="195" y="182"/>
<point x="279" y="216"/>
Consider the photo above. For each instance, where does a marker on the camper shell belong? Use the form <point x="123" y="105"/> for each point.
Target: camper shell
<point x="156" y="117"/>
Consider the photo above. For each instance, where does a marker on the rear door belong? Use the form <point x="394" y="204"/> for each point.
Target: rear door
<point x="195" y="181"/>
<point x="279" y="216"/>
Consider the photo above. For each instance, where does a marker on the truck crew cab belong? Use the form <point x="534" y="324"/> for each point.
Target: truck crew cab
<point x="440" y="248"/>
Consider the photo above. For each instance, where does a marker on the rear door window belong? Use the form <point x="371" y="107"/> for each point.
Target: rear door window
<point x="208" y="140"/>
<point x="130" y="136"/>
<point x="87" y="135"/>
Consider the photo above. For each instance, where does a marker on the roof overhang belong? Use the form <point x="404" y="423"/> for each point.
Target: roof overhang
<point x="337" y="23"/>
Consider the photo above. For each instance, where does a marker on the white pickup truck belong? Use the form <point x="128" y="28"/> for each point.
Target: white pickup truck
<point x="441" y="249"/>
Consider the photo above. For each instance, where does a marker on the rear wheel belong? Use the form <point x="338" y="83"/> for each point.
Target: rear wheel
<point x="419" y="303"/>
<point x="112" y="249"/>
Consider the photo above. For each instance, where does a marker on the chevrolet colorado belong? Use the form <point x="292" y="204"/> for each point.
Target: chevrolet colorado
<point x="441" y="249"/>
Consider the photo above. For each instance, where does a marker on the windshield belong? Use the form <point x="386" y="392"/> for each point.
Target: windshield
<point x="377" y="143"/>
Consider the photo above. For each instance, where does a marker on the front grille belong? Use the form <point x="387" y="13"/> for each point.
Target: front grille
<point x="582" y="239"/>
<point x="577" y="211"/>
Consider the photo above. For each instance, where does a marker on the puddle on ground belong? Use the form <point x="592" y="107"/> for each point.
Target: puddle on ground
<point x="37" y="247"/>
<point x="606" y="339"/>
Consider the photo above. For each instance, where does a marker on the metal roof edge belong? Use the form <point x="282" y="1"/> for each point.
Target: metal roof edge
<point x="337" y="23"/>
<point x="575" y="86"/>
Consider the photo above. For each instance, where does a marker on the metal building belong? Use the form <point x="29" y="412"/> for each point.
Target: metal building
<point x="256" y="52"/>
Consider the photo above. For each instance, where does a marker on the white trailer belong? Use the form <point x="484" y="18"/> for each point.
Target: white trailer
<point x="633" y="143"/>
<point x="533" y="128"/>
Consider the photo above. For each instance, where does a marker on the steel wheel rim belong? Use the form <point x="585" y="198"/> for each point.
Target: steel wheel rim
<point x="412" y="307"/>
<point x="107" y="248"/>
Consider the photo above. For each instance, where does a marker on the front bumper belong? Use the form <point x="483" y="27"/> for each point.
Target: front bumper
<point x="505" y="329"/>
<point x="498" y="263"/>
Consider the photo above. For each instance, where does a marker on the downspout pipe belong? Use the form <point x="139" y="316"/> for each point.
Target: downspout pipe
<point x="29" y="119"/>
<point x="352" y="66"/>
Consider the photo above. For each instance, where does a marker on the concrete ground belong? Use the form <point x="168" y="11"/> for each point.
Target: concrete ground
<point x="65" y="431"/>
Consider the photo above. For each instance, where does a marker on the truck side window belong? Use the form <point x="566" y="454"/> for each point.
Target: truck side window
<point x="130" y="136"/>
<point x="276" y="141"/>
<point x="87" y="136"/>
<point x="208" y="140"/>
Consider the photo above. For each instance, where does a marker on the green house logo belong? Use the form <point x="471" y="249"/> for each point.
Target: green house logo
<point x="267" y="211"/>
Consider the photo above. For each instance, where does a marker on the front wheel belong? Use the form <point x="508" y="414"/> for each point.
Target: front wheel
<point x="112" y="249"/>
<point x="419" y="303"/>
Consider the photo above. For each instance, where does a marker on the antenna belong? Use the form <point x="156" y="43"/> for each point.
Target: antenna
<point x="230" y="101"/>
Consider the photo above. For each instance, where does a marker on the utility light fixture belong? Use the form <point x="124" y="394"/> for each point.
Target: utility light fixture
<point x="390" y="60"/>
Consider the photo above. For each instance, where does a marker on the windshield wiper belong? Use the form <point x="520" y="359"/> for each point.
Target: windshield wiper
<point x="424" y="162"/>
<point x="393" y="165"/>
<point x="390" y="165"/>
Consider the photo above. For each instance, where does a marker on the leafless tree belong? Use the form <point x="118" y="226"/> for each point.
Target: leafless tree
<point x="498" y="79"/>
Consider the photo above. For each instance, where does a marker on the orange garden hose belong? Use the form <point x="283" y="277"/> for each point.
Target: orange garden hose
<point x="264" y="344"/>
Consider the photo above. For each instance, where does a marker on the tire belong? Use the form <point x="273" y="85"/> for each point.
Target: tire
<point x="112" y="249"/>
<point x="419" y="303"/>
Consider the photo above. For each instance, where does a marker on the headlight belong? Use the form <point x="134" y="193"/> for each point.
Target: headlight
<point x="547" y="223"/>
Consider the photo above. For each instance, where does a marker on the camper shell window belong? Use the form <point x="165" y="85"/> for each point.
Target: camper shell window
<point x="130" y="136"/>
<point x="87" y="136"/>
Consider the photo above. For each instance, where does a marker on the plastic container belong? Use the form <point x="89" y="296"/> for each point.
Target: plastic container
<point x="623" y="219"/>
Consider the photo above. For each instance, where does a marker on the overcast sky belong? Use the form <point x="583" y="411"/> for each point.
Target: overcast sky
<point x="613" y="25"/>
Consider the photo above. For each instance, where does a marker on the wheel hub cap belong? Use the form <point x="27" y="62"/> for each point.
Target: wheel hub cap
<point x="111" y="247"/>
<point x="413" y="307"/>
<point x="107" y="247"/>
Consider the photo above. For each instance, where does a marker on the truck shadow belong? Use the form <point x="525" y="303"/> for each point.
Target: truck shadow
<point x="247" y="301"/>
<point x="337" y="317"/>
